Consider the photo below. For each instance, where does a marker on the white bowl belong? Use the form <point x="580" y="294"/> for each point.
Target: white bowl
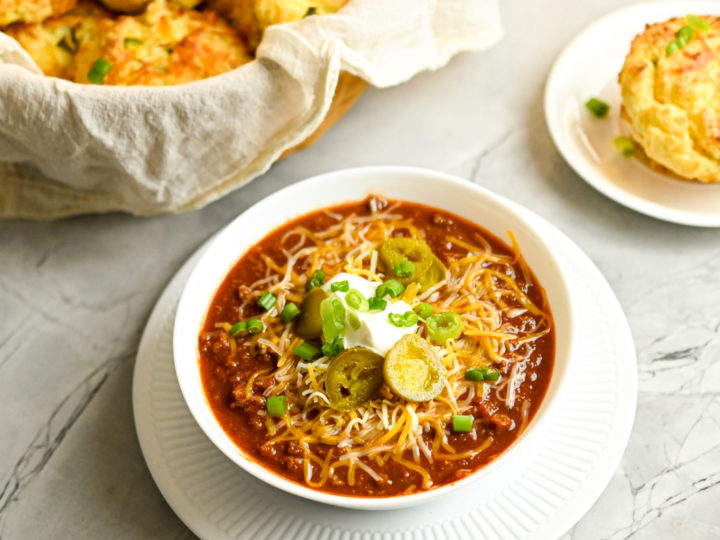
<point x="416" y="185"/>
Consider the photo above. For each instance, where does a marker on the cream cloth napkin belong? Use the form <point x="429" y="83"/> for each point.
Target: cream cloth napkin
<point x="67" y="148"/>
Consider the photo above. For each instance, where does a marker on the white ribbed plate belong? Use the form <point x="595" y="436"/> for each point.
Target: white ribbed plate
<point x="540" y="494"/>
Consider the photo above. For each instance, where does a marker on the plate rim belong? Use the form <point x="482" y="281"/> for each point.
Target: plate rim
<point x="579" y="164"/>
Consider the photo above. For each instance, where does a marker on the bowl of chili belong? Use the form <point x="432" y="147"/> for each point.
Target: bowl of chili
<point x="412" y="378"/>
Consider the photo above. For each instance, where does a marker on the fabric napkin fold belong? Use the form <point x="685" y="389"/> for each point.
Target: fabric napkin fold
<point x="68" y="148"/>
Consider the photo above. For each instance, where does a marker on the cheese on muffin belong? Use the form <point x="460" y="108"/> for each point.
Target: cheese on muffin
<point x="283" y="11"/>
<point x="137" y="6"/>
<point x="32" y="11"/>
<point x="671" y="98"/>
<point x="241" y="14"/>
<point x="251" y="17"/>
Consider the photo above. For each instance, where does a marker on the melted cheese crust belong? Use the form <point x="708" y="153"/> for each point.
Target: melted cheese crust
<point x="31" y="11"/>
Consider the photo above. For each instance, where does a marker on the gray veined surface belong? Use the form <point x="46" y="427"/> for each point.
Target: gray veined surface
<point x="76" y="294"/>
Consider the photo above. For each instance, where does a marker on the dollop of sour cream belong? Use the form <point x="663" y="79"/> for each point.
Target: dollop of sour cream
<point x="376" y="331"/>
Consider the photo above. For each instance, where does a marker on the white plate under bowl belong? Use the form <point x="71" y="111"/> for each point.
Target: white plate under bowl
<point x="539" y="496"/>
<point x="440" y="190"/>
<point x="588" y="67"/>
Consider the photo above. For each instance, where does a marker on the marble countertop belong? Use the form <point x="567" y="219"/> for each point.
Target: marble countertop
<point x="75" y="296"/>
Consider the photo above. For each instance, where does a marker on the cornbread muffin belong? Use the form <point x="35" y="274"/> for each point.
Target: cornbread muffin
<point x="136" y="6"/>
<point x="166" y="45"/>
<point x="241" y="14"/>
<point x="31" y="11"/>
<point x="283" y="11"/>
<point x="671" y="95"/>
<point x="54" y="43"/>
<point x="251" y="17"/>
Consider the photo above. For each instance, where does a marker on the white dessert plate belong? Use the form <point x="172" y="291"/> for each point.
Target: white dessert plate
<point x="538" y="494"/>
<point x="588" y="67"/>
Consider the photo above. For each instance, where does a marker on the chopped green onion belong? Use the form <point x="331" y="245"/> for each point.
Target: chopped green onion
<point x="312" y="10"/>
<point x="356" y="300"/>
<point x="132" y="43"/>
<point x="597" y="107"/>
<point x="376" y="304"/>
<point x="353" y="319"/>
<point x="333" y="349"/>
<point x="490" y="374"/>
<point x="276" y="405"/>
<point x="699" y="23"/>
<point x="289" y="312"/>
<point x="340" y="286"/>
<point x="474" y="375"/>
<point x="238" y="327"/>
<point x="682" y="38"/>
<point x="410" y="318"/>
<point x="684" y="35"/>
<point x="267" y="301"/>
<point x="625" y="145"/>
<point x="404" y="269"/>
<point x="317" y="279"/>
<point x="462" y="422"/>
<point x="407" y="319"/>
<point x="63" y="44"/>
<point x="485" y="373"/>
<point x="444" y="326"/>
<point x="332" y="313"/>
<point x="99" y="71"/>
<point x="423" y="310"/>
<point x="255" y="326"/>
<point x="307" y="351"/>
<point x="69" y="42"/>
<point x="391" y="287"/>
